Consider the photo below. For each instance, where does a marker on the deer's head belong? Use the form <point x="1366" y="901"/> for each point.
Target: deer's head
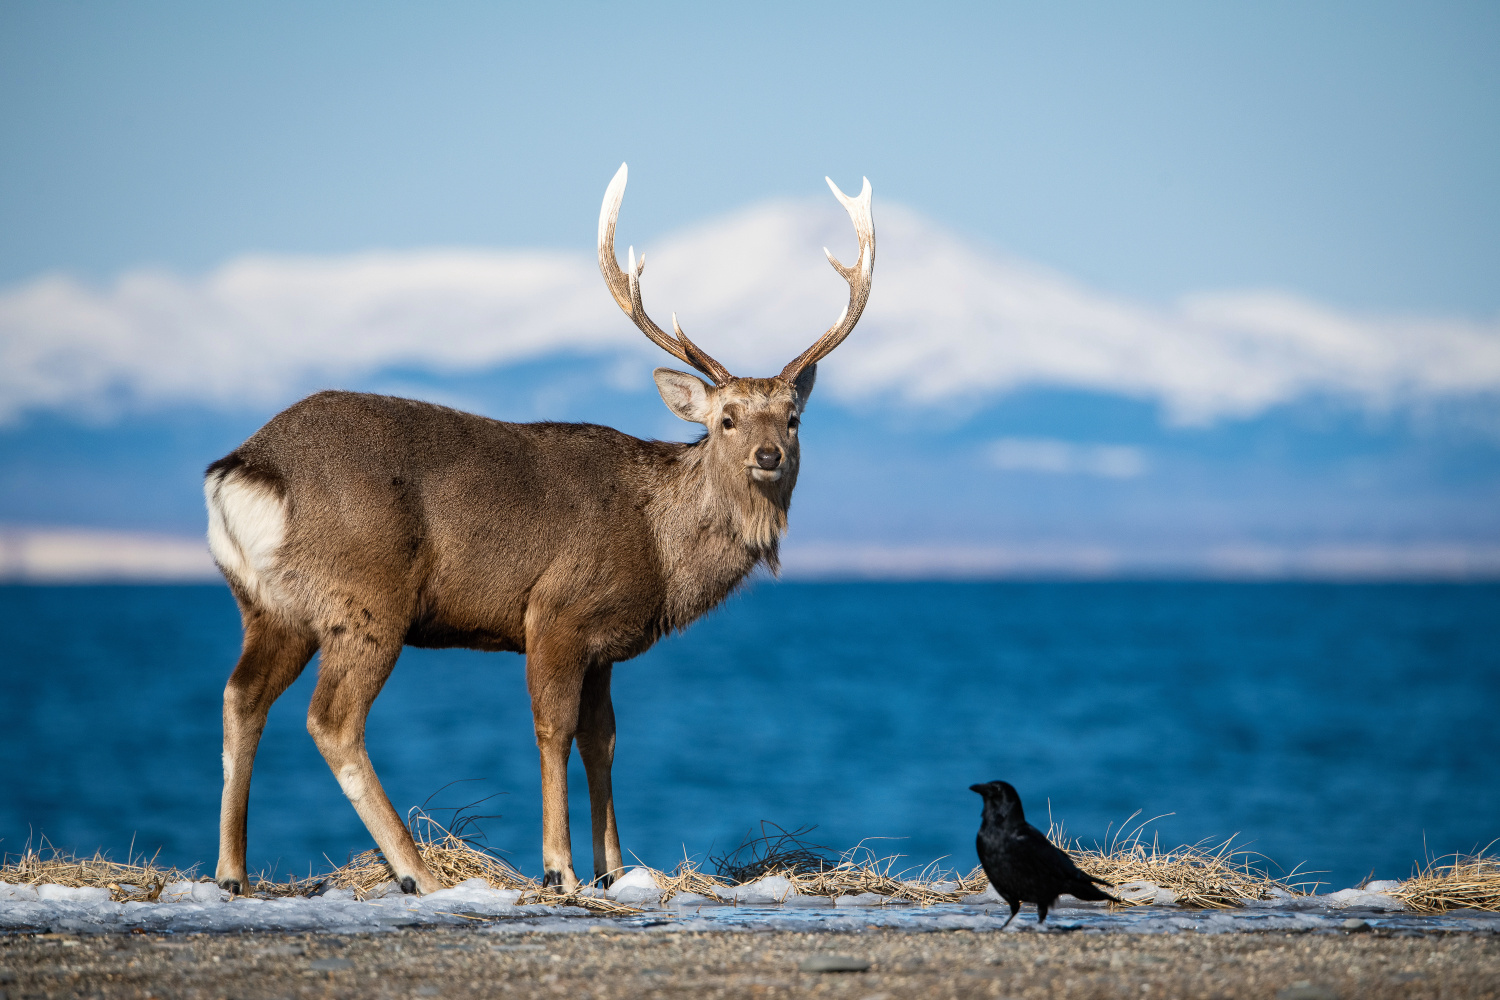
<point x="751" y="422"/>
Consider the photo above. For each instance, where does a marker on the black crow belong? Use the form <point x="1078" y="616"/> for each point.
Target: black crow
<point x="1023" y="865"/>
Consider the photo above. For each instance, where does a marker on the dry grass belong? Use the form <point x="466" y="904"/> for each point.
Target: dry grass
<point x="454" y="859"/>
<point x="685" y="878"/>
<point x="861" y="870"/>
<point x="842" y="878"/>
<point x="1202" y="878"/>
<point x="128" y="881"/>
<point x="1199" y="878"/>
<point x="1471" y="881"/>
<point x="1216" y="877"/>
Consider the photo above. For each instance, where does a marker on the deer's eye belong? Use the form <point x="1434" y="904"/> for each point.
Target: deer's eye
<point x="791" y="424"/>
<point x="727" y="423"/>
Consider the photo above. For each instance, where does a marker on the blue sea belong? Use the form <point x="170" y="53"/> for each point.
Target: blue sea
<point x="1346" y="729"/>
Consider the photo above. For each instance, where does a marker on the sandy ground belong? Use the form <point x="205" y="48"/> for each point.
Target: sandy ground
<point x="481" y="962"/>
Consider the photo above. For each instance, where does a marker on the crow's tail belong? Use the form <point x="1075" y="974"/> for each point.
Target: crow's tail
<point x="1088" y="890"/>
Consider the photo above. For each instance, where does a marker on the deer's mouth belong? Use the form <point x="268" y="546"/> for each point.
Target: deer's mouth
<point x="765" y="475"/>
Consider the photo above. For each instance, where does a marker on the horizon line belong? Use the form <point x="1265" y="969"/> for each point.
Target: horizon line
<point x="80" y="555"/>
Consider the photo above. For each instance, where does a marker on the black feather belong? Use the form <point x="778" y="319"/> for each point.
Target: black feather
<point x="1022" y="864"/>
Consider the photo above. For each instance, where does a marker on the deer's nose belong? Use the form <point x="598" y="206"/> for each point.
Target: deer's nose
<point x="768" y="458"/>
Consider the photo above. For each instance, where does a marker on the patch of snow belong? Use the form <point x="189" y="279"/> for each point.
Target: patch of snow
<point x="1361" y="899"/>
<point x="1142" y="891"/>
<point x="189" y="892"/>
<point x="474" y="895"/>
<point x="863" y="899"/>
<point x="635" y="888"/>
<point x="388" y="888"/>
<point x="763" y="891"/>
<point x="987" y="897"/>
<point x="797" y="899"/>
<point x="692" y="899"/>
<point x="1073" y="902"/>
<point x="84" y="895"/>
<point x="1139" y="891"/>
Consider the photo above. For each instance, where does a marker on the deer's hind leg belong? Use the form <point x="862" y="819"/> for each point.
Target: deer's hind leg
<point x="596" y="745"/>
<point x="274" y="655"/>
<point x="353" y="670"/>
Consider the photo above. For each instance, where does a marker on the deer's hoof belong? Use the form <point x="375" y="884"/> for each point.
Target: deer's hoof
<point x="408" y="885"/>
<point x="233" y="886"/>
<point x="551" y="878"/>
<point x="606" y="879"/>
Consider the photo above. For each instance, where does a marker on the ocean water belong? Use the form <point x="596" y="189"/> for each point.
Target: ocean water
<point x="1348" y="729"/>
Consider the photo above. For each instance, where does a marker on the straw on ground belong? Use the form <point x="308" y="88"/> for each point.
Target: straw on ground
<point x="1197" y="876"/>
<point x="1453" y="882"/>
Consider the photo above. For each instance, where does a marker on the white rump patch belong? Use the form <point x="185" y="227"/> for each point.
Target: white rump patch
<point x="246" y="525"/>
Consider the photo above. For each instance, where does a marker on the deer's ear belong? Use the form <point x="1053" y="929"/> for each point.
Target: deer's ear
<point x="685" y="395"/>
<point x="804" y="385"/>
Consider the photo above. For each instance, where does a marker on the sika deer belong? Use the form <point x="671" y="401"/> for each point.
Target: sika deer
<point x="354" y="524"/>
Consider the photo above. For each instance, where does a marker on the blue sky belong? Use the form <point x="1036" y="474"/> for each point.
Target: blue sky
<point x="1147" y="169"/>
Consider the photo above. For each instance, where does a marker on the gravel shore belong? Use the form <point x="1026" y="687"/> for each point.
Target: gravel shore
<point x="486" y="961"/>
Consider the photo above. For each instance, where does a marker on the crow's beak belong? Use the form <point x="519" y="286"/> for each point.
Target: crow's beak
<point x="977" y="788"/>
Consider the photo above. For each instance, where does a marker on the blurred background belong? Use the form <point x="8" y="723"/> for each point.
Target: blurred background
<point x="1162" y="472"/>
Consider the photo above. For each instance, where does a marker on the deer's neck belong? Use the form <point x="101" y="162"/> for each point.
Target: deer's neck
<point x="713" y="525"/>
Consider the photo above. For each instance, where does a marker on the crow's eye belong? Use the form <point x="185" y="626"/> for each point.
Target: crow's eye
<point x="727" y="423"/>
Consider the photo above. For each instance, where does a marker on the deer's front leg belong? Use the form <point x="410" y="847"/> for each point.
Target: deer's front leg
<point x="554" y="676"/>
<point x="596" y="745"/>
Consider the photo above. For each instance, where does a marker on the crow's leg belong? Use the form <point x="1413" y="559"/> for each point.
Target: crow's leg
<point x="1015" y="907"/>
<point x="1041" y="913"/>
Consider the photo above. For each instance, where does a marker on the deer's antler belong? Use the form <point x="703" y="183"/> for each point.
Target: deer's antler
<point x="858" y="277"/>
<point x="625" y="286"/>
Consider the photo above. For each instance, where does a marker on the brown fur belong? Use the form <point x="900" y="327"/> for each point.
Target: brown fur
<point x="407" y="523"/>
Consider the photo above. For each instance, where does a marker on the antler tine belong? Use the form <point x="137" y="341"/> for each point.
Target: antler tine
<point x="626" y="288"/>
<point x="858" y="277"/>
<point x="698" y="359"/>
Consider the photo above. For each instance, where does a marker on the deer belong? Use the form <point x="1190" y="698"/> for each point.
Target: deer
<point x="354" y="525"/>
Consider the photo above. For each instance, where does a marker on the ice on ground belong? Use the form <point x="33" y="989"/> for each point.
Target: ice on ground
<point x="473" y="896"/>
<point x="689" y="900"/>
<point x="1363" y="899"/>
<point x="986" y="898"/>
<point x="191" y="907"/>
<point x="1074" y="902"/>
<point x="187" y="907"/>
<point x="865" y="899"/>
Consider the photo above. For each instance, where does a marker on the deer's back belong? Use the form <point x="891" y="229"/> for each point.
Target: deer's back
<point x="452" y="525"/>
